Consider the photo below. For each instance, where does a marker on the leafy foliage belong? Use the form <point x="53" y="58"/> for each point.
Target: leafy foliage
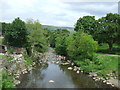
<point x="7" y="81"/>
<point x="16" y="33"/>
<point x="57" y="40"/>
<point x="60" y="45"/>
<point x="81" y="46"/>
<point x="108" y="29"/>
<point x="36" y="37"/>
<point x="87" y="23"/>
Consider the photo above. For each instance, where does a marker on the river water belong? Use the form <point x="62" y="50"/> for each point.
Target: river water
<point x="59" y="76"/>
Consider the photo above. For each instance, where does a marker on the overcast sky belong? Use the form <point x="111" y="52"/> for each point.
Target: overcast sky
<point x="55" y="12"/>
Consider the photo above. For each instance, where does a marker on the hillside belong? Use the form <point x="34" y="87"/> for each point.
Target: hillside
<point x="52" y="28"/>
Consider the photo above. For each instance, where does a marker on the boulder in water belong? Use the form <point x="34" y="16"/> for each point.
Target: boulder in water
<point x="77" y="71"/>
<point x="70" y="68"/>
<point x="51" y="81"/>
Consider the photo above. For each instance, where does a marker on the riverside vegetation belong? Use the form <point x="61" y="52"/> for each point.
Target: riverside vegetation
<point x="81" y="47"/>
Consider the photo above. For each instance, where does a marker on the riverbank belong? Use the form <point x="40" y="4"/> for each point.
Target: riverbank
<point x="16" y="67"/>
<point x="56" y="72"/>
<point x="104" y="68"/>
<point x="12" y="66"/>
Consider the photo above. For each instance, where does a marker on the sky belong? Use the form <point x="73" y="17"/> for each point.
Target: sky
<point x="55" y="12"/>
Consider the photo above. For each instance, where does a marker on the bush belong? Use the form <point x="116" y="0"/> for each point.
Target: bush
<point x="81" y="46"/>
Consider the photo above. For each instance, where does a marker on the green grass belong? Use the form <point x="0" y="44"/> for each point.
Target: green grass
<point x="102" y="64"/>
<point x="104" y="48"/>
<point x="7" y="81"/>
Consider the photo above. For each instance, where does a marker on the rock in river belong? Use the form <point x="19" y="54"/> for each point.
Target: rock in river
<point x="70" y="68"/>
<point x="51" y="81"/>
<point x="77" y="71"/>
<point x="16" y="82"/>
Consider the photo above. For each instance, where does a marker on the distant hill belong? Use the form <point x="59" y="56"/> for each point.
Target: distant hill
<point x="52" y="28"/>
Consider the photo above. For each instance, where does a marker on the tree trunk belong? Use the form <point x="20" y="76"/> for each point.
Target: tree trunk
<point x="110" y="46"/>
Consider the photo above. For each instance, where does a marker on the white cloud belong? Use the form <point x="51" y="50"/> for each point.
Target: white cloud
<point x="53" y="12"/>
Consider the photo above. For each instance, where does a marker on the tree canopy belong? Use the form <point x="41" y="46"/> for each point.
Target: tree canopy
<point x="108" y="29"/>
<point x="86" y="23"/>
<point x="15" y="33"/>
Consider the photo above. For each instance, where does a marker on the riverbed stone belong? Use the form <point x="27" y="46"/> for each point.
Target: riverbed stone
<point x="78" y="71"/>
<point x="66" y="63"/>
<point x="94" y="74"/>
<point x="74" y="69"/>
<point x="51" y="81"/>
<point x="72" y="64"/>
<point x="16" y="82"/>
<point x="81" y="71"/>
<point x="70" y="68"/>
<point x="94" y="78"/>
<point x="17" y="77"/>
<point x="104" y="81"/>
<point x="108" y="83"/>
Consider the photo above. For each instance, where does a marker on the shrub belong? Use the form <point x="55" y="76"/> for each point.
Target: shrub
<point x="81" y="46"/>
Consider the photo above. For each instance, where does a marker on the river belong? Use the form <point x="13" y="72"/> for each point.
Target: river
<point x="53" y="75"/>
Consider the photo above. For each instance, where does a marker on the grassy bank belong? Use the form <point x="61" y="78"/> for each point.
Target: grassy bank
<point x="104" y="48"/>
<point x="102" y="64"/>
<point x="7" y="81"/>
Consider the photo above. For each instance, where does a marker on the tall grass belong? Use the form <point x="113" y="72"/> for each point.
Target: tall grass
<point x="103" y="64"/>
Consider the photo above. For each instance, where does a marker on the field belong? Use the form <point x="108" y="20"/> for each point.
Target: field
<point x="104" y="48"/>
<point x="102" y="64"/>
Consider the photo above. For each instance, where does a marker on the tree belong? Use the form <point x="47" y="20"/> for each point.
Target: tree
<point x="58" y="40"/>
<point x="47" y="34"/>
<point x="60" y="45"/>
<point x="87" y="23"/>
<point x="81" y="46"/>
<point x="16" y="33"/>
<point x="36" y="37"/>
<point x="108" y="29"/>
